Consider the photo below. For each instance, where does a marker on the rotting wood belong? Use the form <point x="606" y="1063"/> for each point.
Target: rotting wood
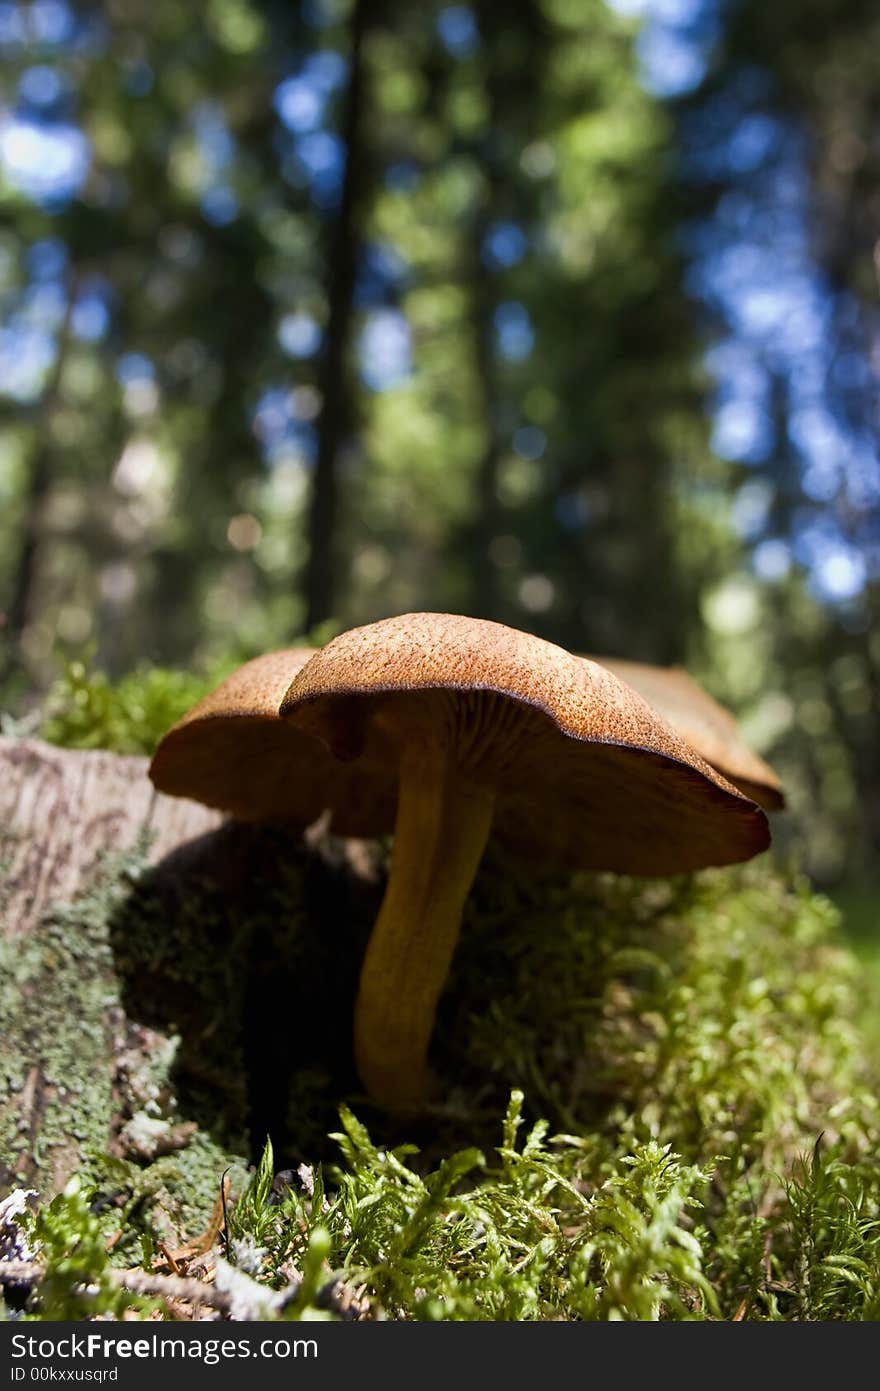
<point x="123" y="1004"/>
<point x="60" y="809"/>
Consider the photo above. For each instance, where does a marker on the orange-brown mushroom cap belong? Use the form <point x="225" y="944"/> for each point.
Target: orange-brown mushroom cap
<point x="233" y="752"/>
<point x="704" y="724"/>
<point x="585" y="773"/>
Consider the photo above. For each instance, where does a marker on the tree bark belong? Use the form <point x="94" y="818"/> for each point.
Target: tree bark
<point x="63" y="1030"/>
<point x="61" y="810"/>
<point x="38" y="487"/>
<point x="486" y="601"/>
<point x="164" y="999"/>
<point x="336" y="420"/>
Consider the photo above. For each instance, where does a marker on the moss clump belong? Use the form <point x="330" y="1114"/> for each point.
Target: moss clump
<point x="579" y="1227"/>
<point x="55" y="1028"/>
<point x="80" y="1079"/>
<point x="718" y="1010"/>
<point x="73" y="1246"/>
<point x="84" y="709"/>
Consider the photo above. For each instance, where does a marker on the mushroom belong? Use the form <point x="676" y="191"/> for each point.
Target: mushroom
<point x="233" y="752"/>
<point x="467" y="725"/>
<point x="702" y="723"/>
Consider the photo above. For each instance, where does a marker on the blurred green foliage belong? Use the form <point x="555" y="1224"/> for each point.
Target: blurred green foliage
<point x="85" y="710"/>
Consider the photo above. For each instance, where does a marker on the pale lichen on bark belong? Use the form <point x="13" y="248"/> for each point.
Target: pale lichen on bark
<point x="161" y="1006"/>
<point x="78" y="828"/>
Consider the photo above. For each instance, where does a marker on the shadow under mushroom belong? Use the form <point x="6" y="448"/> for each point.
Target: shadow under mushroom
<point x="245" y="944"/>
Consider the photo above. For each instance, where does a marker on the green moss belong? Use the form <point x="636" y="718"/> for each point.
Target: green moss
<point x="686" y="1044"/>
<point x="76" y="1070"/>
<point x="85" y="710"/>
<point x="718" y="1010"/>
<point x="54" y="1031"/>
<point x="73" y="1245"/>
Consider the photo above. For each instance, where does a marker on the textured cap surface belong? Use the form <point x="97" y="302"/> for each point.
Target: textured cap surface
<point x="587" y="774"/>
<point x="702" y="723"/>
<point x="233" y="752"/>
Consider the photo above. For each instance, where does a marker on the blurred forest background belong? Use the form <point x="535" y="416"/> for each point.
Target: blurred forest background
<point x="558" y="312"/>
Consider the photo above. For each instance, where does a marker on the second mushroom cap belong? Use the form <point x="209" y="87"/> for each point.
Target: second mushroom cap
<point x="708" y="727"/>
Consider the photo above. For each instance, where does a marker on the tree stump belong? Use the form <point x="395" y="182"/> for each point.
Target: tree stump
<point x="63" y="812"/>
<point x="164" y="973"/>
<point x="63" y="809"/>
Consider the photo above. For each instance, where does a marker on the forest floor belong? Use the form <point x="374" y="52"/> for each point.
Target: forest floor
<point x="660" y="1098"/>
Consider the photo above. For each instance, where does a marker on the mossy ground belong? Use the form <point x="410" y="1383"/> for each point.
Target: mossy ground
<point x="658" y="1099"/>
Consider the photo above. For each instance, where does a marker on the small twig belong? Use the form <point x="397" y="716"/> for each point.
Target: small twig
<point x="147" y="1282"/>
<point x="766" y="1261"/>
<point x="170" y="1258"/>
<point x="225" y="1184"/>
<point x="135" y="1281"/>
<point x="216" y="1224"/>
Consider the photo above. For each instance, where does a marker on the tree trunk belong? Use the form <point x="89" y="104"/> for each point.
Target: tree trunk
<point x="62" y="810"/>
<point x="334" y="380"/>
<point x="486" y="601"/>
<point x="38" y="487"/>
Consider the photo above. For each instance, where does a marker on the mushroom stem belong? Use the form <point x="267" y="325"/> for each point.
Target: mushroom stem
<point x="443" y="822"/>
